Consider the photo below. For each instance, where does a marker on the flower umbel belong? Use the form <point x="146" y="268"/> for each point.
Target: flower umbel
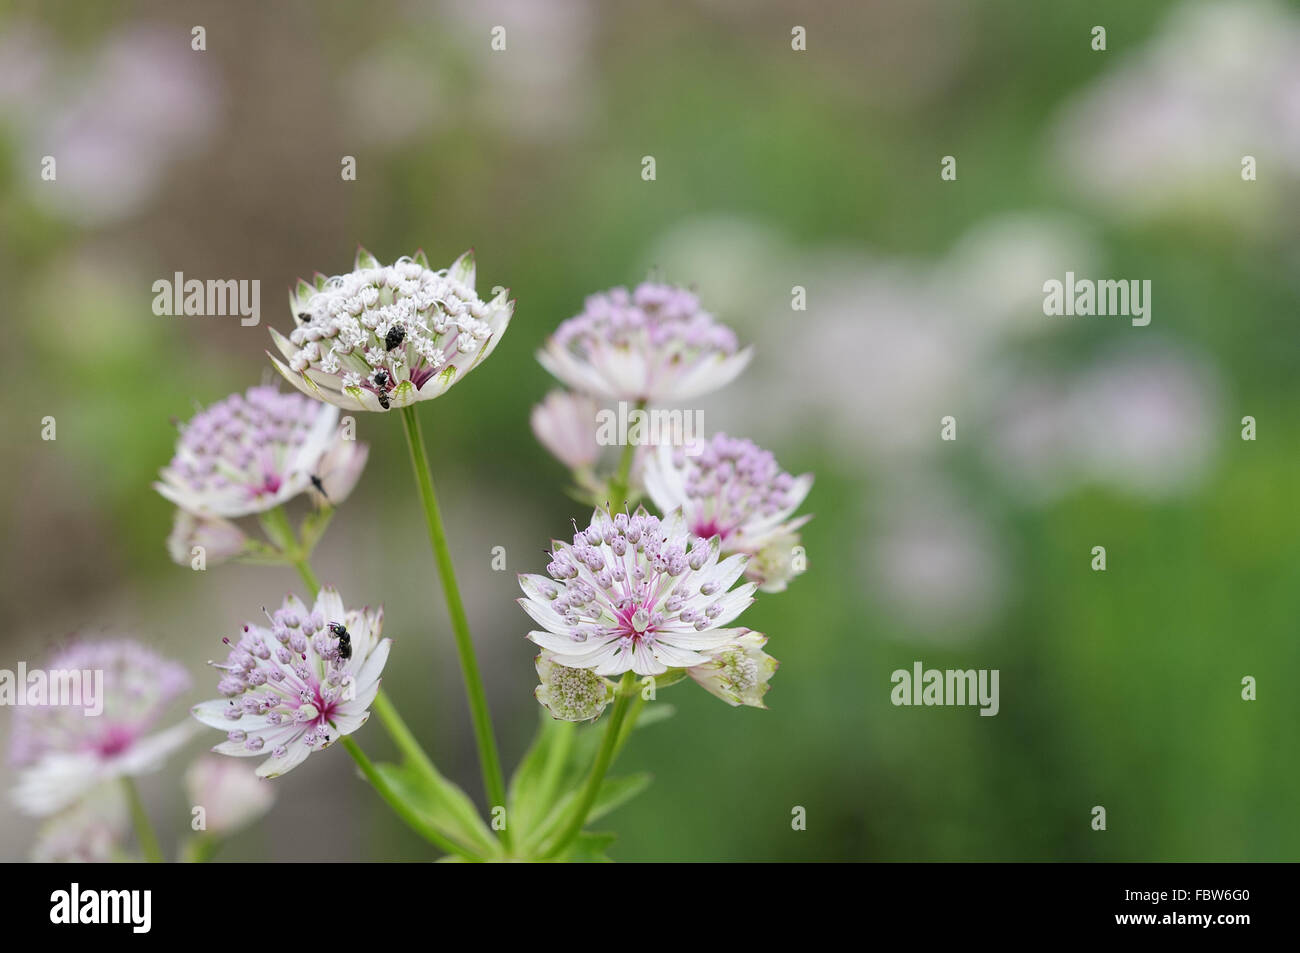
<point x="635" y="592"/>
<point x="738" y="673"/>
<point x="230" y="793"/>
<point x="64" y="750"/>
<point x="254" y="451"/>
<point x="565" y="424"/>
<point x="652" y="344"/>
<point x="734" y="489"/>
<point x="571" y="694"/>
<point x="299" y="683"/>
<point x="382" y="337"/>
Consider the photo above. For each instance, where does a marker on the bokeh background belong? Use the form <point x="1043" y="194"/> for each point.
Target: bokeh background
<point x="775" y="168"/>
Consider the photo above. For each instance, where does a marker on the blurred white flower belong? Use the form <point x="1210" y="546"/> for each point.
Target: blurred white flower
<point x="1168" y="126"/>
<point x="220" y="539"/>
<point x="565" y="424"/>
<point x="94" y="830"/>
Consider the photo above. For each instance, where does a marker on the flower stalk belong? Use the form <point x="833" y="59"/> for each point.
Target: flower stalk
<point x="144" y="831"/>
<point x="489" y="760"/>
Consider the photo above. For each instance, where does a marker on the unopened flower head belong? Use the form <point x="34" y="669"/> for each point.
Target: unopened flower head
<point x="571" y="694"/>
<point x="297" y="684"/>
<point x="635" y="593"/>
<point x="382" y="337"/>
<point x="652" y="344"/>
<point x="565" y="424"/>
<point x="734" y="489"/>
<point x="231" y="794"/>
<point x="218" y="539"/>
<point x="738" y="672"/>
<point x="253" y="451"/>
<point x="63" y="750"/>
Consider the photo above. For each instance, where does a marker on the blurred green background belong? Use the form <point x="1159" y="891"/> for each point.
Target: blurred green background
<point x="775" y="169"/>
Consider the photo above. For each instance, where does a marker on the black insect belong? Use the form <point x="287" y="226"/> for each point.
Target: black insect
<point x="320" y="487"/>
<point x="345" y="640"/>
<point x="304" y="317"/>
<point x="380" y="380"/>
<point x="396" y="335"/>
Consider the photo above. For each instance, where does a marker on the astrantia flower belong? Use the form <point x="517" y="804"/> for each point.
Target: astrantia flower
<point x="297" y="684"/>
<point x="571" y="694"/>
<point x="635" y="593"/>
<point x="382" y="337"/>
<point x="738" y="673"/>
<point x="734" y="489"/>
<point x="220" y="539"/>
<point x="251" y="452"/>
<point x="652" y="344"/>
<point x="565" y="424"/>
<point x="65" y="750"/>
<point x="231" y="794"/>
<point x="92" y="831"/>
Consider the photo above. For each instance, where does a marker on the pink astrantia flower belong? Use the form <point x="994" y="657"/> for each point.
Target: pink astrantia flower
<point x="738" y="672"/>
<point x="635" y="593"/>
<point x="735" y="490"/>
<point x="653" y="344"/>
<point x="219" y="539"/>
<point x="254" y="451"/>
<point x="382" y="337"/>
<point x="65" y="750"/>
<point x="298" y="684"/>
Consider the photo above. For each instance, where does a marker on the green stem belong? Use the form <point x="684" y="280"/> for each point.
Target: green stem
<point x="399" y="806"/>
<point x="201" y="849"/>
<point x="489" y="760"/>
<point x="619" y="485"/>
<point x="609" y="745"/>
<point x="144" y="832"/>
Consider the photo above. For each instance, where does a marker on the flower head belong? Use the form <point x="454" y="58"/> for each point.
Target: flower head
<point x="635" y="593"/>
<point x="565" y="424"/>
<point x="738" y="672"/>
<point x="382" y="337"/>
<point x="651" y="344"/>
<point x="734" y="489"/>
<point x="251" y="452"/>
<point x="571" y="694"/>
<point x="231" y="794"/>
<point x="297" y="684"/>
<point x="67" y="745"/>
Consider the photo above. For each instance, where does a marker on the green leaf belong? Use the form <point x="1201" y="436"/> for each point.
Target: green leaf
<point x="444" y="805"/>
<point x="589" y="848"/>
<point x="613" y="793"/>
<point x="540" y="774"/>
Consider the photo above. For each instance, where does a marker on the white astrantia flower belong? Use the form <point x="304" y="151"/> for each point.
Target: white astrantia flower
<point x="65" y="750"/>
<point x="738" y="672"/>
<point x="735" y="490"/>
<point x="93" y="831"/>
<point x="231" y="794"/>
<point x="298" y="684"/>
<point x="565" y="424"/>
<point x="383" y="337"/>
<point x="635" y="593"/>
<point x="571" y="694"/>
<point x="220" y="539"/>
<point x="252" y="452"/>
<point x="653" y="344"/>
